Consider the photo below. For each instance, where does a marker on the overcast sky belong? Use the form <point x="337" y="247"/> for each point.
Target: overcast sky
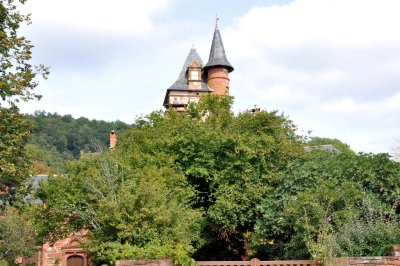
<point x="332" y="66"/>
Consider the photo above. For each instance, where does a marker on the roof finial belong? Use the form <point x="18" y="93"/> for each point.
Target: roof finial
<point x="193" y="46"/>
<point x="216" y="21"/>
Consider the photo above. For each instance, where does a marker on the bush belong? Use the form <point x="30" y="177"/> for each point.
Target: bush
<point x="368" y="237"/>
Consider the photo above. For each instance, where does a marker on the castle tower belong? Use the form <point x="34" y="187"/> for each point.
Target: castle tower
<point x="190" y="84"/>
<point x="218" y="67"/>
<point x="196" y="80"/>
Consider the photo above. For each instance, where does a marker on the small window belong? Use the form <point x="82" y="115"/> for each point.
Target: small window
<point x="194" y="74"/>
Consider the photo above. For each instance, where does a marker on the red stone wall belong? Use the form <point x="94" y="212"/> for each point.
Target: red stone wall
<point x="164" y="262"/>
<point x="218" y="80"/>
<point x="370" y="261"/>
<point x="58" y="254"/>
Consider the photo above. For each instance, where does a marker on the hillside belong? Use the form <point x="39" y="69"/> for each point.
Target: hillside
<point x="57" y="139"/>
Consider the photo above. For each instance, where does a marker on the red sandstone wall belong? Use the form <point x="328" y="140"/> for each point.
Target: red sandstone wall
<point x="371" y="261"/>
<point x="164" y="262"/>
<point x="57" y="254"/>
<point x="218" y="80"/>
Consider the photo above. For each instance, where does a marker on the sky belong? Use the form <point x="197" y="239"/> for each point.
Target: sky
<point x="331" y="66"/>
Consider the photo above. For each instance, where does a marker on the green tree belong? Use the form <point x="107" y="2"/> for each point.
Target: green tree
<point x="261" y="194"/>
<point x="17" y="81"/>
<point x="311" y="212"/>
<point x="318" y="186"/>
<point x="62" y="138"/>
<point x="129" y="211"/>
<point x="13" y="162"/>
<point x="371" y="234"/>
<point x="338" y="144"/>
<point x="17" y="235"/>
<point x="230" y="160"/>
<point x="227" y="161"/>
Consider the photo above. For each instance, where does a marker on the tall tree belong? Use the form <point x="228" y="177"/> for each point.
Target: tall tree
<point x="17" y="82"/>
<point x="229" y="161"/>
<point x="131" y="213"/>
<point x="321" y="187"/>
<point x="17" y="236"/>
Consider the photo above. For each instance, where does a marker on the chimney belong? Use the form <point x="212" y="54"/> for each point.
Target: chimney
<point x="113" y="139"/>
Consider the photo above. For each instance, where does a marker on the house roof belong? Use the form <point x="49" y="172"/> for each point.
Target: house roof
<point x="217" y="53"/>
<point x="327" y="147"/>
<point x="182" y="83"/>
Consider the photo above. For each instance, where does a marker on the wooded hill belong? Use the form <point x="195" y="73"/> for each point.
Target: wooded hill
<point x="57" y="139"/>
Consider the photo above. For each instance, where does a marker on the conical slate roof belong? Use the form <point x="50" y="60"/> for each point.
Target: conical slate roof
<point x="217" y="53"/>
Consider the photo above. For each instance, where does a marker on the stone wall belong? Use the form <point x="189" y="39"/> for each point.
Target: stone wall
<point x="218" y="80"/>
<point x="58" y="253"/>
<point x="393" y="259"/>
<point x="144" y="263"/>
<point x="370" y="261"/>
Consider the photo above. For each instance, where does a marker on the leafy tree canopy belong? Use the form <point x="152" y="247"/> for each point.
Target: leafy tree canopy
<point x="244" y="184"/>
<point x="324" y="187"/>
<point x="228" y="162"/>
<point x="18" y="79"/>
<point x="342" y="147"/>
<point x="127" y="210"/>
<point x="17" y="235"/>
<point x="17" y="82"/>
<point x="207" y="182"/>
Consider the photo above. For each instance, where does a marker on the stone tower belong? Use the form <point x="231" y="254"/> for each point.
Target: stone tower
<point x="196" y="80"/>
<point x="218" y="67"/>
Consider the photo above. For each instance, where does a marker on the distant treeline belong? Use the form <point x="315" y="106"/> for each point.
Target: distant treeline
<point x="57" y="139"/>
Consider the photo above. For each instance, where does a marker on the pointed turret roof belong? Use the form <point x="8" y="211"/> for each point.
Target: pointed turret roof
<point x="217" y="53"/>
<point x="193" y="56"/>
<point x="182" y="84"/>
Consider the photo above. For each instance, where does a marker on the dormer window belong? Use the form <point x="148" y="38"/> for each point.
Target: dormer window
<point x="193" y="76"/>
<point x="194" y="72"/>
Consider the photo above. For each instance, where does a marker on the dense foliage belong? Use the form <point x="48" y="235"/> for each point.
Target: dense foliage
<point x="324" y="194"/>
<point x="18" y="78"/>
<point x="205" y="183"/>
<point x="57" y="139"/>
<point x="259" y="194"/>
<point x="17" y="235"/>
<point x="135" y="211"/>
<point x="226" y="161"/>
<point x="342" y="147"/>
<point x="17" y="81"/>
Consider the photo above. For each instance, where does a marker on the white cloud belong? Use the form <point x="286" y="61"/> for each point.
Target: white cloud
<point x="393" y="103"/>
<point x="331" y="64"/>
<point x="117" y="15"/>
<point x="351" y="106"/>
<point x="344" y="21"/>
